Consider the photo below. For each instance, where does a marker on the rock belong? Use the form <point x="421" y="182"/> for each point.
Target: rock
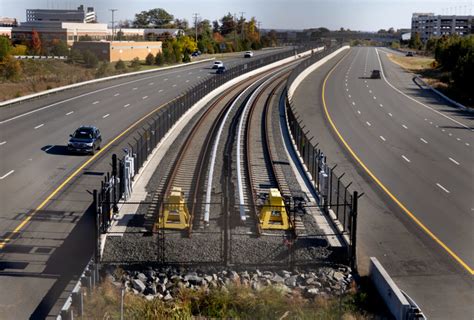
<point x="256" y="285"/>
<point x="313" y="291"/>
<point x="278" y="279"/>
<point x="142" y="277"/>
<point x="245" y="275"/>
<point x="168" y="297"/>
<point x="151" y="289"/>
<point x="283" y="288"/>
<point x="258" y="273"/>
<point x="135" y="291"/>
<point x="234" y="276"/>
<point x="149" y="297"/>
<point x="193" y="279"/>
<point x="161" y="288"/>
<point x="291" y="281"/>
<point x="176" y="278"/>
<point x="285" y="273"/>
<point x="208" y="278"/>
<point x="214" y="276"/>
<point x="338" y="276"/>
<point x="159" y="296"/>
<point x="138" y="285"/>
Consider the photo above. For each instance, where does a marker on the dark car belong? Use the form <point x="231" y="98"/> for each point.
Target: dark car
<point x="375" y="74"/>
<point x="85" y="139"/>
<point x="220" y="70"/>
<point x="409" y="54"/>
<point x="196" y="53"/>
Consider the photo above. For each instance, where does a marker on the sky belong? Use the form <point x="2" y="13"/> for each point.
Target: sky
<point x="365" y="15"/>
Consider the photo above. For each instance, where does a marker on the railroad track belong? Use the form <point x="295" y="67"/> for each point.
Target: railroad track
<point x="256" y="171"/>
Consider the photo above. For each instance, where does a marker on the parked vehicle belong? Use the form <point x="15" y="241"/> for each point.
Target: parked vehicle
<point x="220" y="70"/>
<point x="86" y="139"/>
<point x="248" y="54"/>
<point x="217" y="64"/>
<point x="196" y="53"/>
<point x="409" y="54"/>
<point x="375" y="74"/>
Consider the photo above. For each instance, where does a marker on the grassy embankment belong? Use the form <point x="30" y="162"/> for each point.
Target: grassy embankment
<point x="41" y="75"/>
<point x="433" y="75"/>
<point x="233" y="302"/>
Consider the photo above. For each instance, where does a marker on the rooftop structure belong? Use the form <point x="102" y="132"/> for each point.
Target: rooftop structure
<point x="65" y="15"/>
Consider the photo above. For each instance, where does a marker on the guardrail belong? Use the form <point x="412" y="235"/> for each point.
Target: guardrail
<point x="41" y="57"/>
<point x="336" y="200"/>
<point x="442" y="95"/>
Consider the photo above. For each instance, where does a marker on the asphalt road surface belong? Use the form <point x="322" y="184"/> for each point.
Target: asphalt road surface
<point x="415" y="164"/>
<point x="52" y="248"/>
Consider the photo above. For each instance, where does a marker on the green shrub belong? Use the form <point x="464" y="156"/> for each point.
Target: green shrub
<point x="103" y="69"/>
<point x="149" y="59"/>
<point x="120" y="65"/>
<point x="90" y="59"/>
<point x="159" y="59"/>
<point x="135" y="64"/>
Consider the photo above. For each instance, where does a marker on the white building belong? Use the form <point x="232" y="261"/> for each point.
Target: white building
<point x="429" y="25"/>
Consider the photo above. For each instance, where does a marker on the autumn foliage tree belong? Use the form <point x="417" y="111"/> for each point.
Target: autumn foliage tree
<point x="35" y="43"/>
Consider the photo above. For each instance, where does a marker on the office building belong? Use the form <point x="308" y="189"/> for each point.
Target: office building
<point x="429" y="25"/>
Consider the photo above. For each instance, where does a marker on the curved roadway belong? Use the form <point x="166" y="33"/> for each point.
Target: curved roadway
<point x="412" y="154"/>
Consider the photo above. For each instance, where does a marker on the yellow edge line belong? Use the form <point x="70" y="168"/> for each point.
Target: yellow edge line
<point x="381" y="185"/>
<point x="75" y="173"/>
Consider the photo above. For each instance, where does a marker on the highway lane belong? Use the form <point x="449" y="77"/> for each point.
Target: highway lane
<point x="33" y="157"/>
<point x="429" y="170"/>
<point x="386" y="129"/>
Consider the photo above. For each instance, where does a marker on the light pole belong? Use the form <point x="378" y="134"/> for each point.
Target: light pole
<point x="113" y="22"/>
<point x="196" y="15"/>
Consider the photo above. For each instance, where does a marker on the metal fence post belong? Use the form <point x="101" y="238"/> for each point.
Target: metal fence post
<point x="95" y="205"/>
<point x="114" y="186"/>
<point x="355" y="199"/>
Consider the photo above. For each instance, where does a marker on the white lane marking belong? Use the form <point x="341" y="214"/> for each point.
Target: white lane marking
<point x="134" y="88"/>
<point x="431" y="122"/>
<point x="370" y="91"/>
<point x="95" y="102"/>
<point x="390" y="114"/>
<point x="174" y="85"/>
<point x="458" y="139"/>
<point x="383" y="139"/>
<point x="346" y="84"/>
<point x="39" y="126"/>
<point x="116" y="95"/>
<point x="365" y="81"/>
<point x="454" y="161"/>
<point x="443" y="188"/>
<point x="187" y="80"/>
<point x="450" y="134"/>
<point x="161" y="90"/>
<point x="349" y="96"/>
<point x="406" y="159"/>
<point x="358" y="111"/>
<point x="347" y="89"/>
<point x="413" y="99"/>
<point x="151" y="83"/>
<point x="404" y="126"/>
<point x="145" y="97"/>
<point x="375" y="97"/>
<point x="108" y="114"/>
<point x="190" y="73"/>
<point x="381" y="105"/>
<point x="467" y="144"/>
<point x="368" y="123"/>
<point x="69" y="113"/>
<point x="2" y="143"/>
<point x="7" y="174"/>
<point x="128" y="104"/>
<point x="178" y="76"/>
<point x="426" y="119"/>
<point x="199" y="77"/>
<point x="443" y="130"/>
<point x="165" y="79"/>
<point x="424" y="141"/>
<point x="353" y="103"/>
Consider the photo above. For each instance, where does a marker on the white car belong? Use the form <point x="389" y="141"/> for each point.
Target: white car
<point x="217" y="64"/>
<point x="248" y="54"/>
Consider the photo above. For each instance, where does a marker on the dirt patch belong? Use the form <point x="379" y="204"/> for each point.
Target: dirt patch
<point x="413" y="64"/>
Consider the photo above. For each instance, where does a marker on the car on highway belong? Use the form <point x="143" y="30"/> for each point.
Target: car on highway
<point x="248" y="54"/>
<point x="221" y="70"/>
<point x="409" y="54"/>
<point x="86" y="139"/>
<point x="217" y="64"/>
<point x="375" y="74"/>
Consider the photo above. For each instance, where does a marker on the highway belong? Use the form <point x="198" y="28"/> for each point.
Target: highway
<point x="53" y="247"/>
<point x="412" y="155"/>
